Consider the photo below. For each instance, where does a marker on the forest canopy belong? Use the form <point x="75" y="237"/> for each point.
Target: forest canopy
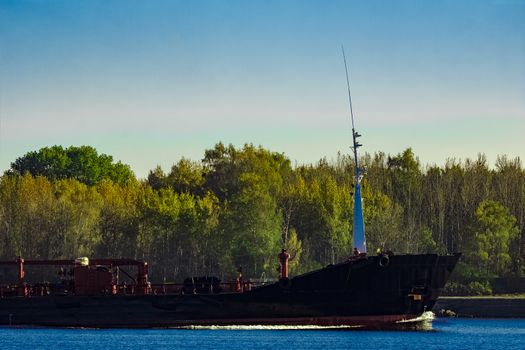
<point x="239" y="206"/>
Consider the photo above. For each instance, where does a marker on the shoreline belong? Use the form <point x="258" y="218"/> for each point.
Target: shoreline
<point x="481" y="306"/>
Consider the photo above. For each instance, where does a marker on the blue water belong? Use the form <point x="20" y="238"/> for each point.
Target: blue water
<point x="445" y="334"/>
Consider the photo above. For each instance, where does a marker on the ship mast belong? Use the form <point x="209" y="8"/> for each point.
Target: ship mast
<point x="359" y="223"/>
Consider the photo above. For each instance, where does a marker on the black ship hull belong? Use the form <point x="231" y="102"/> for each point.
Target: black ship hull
<point x="371" y="291"/>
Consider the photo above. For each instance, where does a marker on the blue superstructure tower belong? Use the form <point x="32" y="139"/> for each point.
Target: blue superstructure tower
<point x="359" y="222"/>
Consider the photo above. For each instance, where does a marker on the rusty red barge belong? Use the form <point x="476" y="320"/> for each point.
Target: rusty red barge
<point x="370" y="291"/>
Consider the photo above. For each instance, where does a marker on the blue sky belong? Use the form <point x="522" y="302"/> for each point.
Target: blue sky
<point x="151" y="81"/>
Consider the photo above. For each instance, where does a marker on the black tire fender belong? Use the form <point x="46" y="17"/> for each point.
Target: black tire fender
<point x="384" y="260"/>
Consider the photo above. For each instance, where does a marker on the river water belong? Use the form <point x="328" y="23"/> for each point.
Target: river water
<point x="444" y="334"/>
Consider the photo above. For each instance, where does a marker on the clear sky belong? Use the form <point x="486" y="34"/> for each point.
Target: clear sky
<point x="151" y="81"/>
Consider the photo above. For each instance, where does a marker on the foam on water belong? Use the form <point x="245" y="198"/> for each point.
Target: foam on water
<point x="424" y="320"/>
<point x="427" y="316"/>
<point x="269" y="327"/>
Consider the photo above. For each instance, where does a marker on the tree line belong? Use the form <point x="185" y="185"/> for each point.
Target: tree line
<point x="240" y="206"/>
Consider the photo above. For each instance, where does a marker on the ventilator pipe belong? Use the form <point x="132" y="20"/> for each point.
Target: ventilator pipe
<point x="283" y="263"/>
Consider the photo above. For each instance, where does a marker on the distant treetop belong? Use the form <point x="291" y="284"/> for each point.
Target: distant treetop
<point x="81" y="163"/>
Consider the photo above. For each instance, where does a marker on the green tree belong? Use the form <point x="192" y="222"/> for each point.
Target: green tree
<point x="186" y="176"/>
<point x="383" y="222"/>
<point x="321" y="213"/>
<point x="434" y="205"/>
<point x="406" y="178"/>
<point x="509" y="189"/>
<point x="248" y="182"/>
<point x="81" y="163"/>
<point x="454" y="221"/>
<point x="157" y="178"/>
<point x="159" y="214"/>
<point x="119" y="219"/>
<point x="28" y="207"/>
<point x="495" y="229"/>
<point x="47" y="220"/>
<point x="74" y="227"/>
<point x="252" y="222"/>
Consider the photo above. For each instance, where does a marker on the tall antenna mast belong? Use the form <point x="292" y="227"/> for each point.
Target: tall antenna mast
<point x="348" y="87"/>
<point x="359" y="223"/>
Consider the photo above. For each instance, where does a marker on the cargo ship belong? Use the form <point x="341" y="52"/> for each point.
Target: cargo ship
<point x="365" y="290"/>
